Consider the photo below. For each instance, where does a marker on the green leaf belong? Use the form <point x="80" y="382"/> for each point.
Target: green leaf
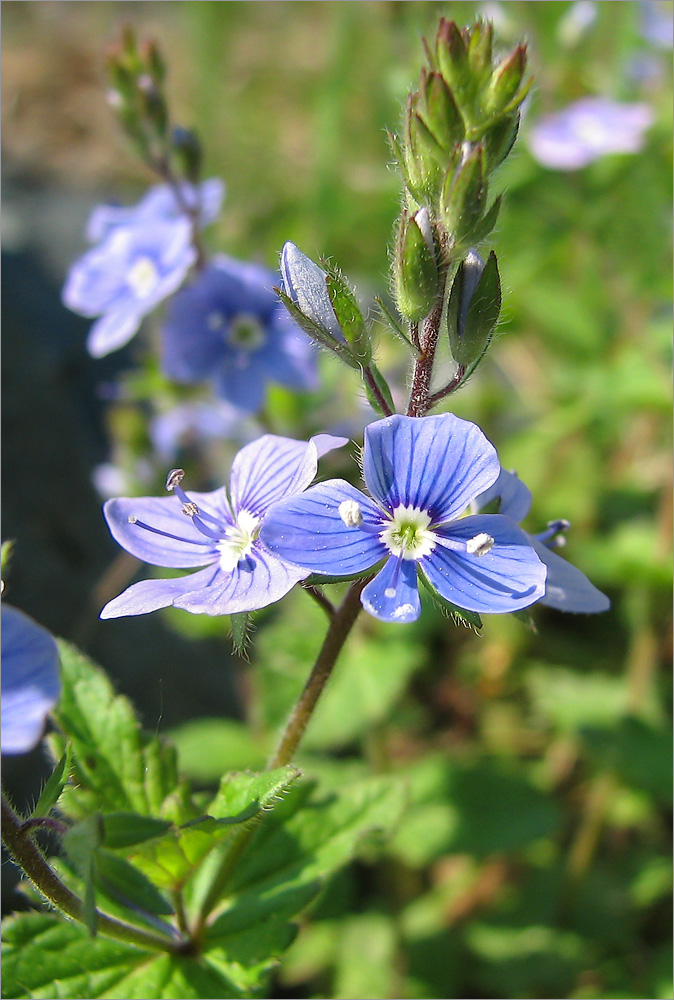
<point x="81" y="843"/>
<point x="395" y="325"/>
<point x="116" y="767"/>
<point x="126" y="884"/>
<point x="209" y="748"/>
<point x="348" y="314"/>
<point x="123" y="829"/>
<point x="54" y="786"/>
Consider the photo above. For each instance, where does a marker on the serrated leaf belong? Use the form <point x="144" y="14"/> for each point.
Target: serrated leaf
<point x="55" y="784"/>
<point x="123" y="829"/>
<point x="116" y="767"/>
<point x="127" y="884"/>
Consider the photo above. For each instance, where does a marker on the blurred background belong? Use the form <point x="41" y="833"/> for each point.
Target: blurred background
<point x="534" y="860"/>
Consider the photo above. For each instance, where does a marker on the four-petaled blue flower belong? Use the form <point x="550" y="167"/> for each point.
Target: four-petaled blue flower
<point x="566" y="588"/>
<point x="587" y="130"/>
<point x="229" y="326"/>
<point x="30" y="680"/>
<point x="160" y="202"/>
<point x="219" y="531"/>
<point x="422" y="473"/>
<point x="125" y="276"/>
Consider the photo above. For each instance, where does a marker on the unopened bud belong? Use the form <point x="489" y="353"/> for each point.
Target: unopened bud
<point x="415" y="267"/>
<point x="473" y="308"/>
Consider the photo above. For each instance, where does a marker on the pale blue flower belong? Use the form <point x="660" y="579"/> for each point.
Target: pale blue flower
<point x="30" y="680"/>
<point x="566" y="588"/>
<point x="218" y="531"/>
<point x="160" y="202"/>
<point x="229" y="327"/>
<point x="587" y="130"/>
<point x="421" y="472"/>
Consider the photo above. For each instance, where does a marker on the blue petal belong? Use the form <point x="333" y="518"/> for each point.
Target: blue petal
<point x="393" y="595"/>
<point x="190" y="548"/>
<point x="307" y="529"/>
<point x="566" y="588"/>
<point x="150" y="595"/>
<point x="30" y="680"/>
<point x="515" y="497"/>
<point x="509" y="577"/>
<point x="113" y="330"/>
<point x="304" y="282"/>
<point x="257" y="581"/>
<point x="437" y="464"/>
<point x="273" y="467"/>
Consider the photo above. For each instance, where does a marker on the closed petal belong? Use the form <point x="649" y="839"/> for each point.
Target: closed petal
<point x="509" y="577"/>
<point x="150" y="595"/>
<point x="514" y="495"/>
<point x="273" y="467"/>
<point x="437" y="464"/>
<point x="30" y="680"/>
<point x="393" y="595"/>
<point x="258" y="580"/>
<point x="304" y="282"/>
<point x="183" y="546"/>
<point x="566" y="588"/>
<point x="308" y="530"/>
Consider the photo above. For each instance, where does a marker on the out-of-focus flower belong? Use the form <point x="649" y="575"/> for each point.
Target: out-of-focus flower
<point x="566" y="588"/>
<point x="30" y="680"/>
<point x="422" y="472"/>
<point x="200" y="421"/>
<point x="126" y="275"/>
<point x="229" y="327"/>
<point x="656" y="22"/>
<point x="160" y="202"/>
<point x="218" y="531"/>
<point x="587" y="130"/>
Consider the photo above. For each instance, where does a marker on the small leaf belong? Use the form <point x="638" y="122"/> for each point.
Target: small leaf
<point x="124" y="829"/>
<point x="127" y="884"/>
<point x="54" y="786"/>
<point x="395" y="325"/>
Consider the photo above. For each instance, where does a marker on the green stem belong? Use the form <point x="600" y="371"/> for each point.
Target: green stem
<point x="341" y="623"/>
<point x="30" y="858"/>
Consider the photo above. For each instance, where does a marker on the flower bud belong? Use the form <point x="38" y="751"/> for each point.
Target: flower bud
<point x="349" y="316"/>
<point x="473" y="308"/>
<point x="415" y="267"/>
<point x="505" y="92"/>
<point x="439" y="111"/>
<point x="464" y="195"/>
<point x="187" y="150"/>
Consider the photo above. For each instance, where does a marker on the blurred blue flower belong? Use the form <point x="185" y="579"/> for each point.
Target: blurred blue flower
<point x="656" y="22"/>
<point x="218" y="531"/>
<point x="126" y="275"/>
<point x="422" y="472"/>
<point x="160" y="202"/>
<point x="228" y="326"/>
<point x="187" y="423"/>
<point x="30" y="680"/>
<point x="587" y="130"/>
<point x="566" y="588"/>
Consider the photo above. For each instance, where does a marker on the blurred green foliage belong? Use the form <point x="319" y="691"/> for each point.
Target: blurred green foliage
<point x="533" y="859"/>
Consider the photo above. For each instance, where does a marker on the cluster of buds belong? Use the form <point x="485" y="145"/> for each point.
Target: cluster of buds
<point x="460" y="124"/>
<point x="137" y="74"/>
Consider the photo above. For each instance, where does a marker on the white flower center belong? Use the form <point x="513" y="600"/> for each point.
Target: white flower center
<point x="239" y="540"/>
<point x="245" y="331"/>
<point x="408" y="533"/>
<point x="143" y="277"/>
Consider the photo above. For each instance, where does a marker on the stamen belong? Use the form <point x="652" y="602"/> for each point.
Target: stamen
<point x="174" y="478"/>
<point x="548" y="537"/>
<point x="205" y="530"/>
<point x="190" y="509"/>
<point x="480" y="545"/>
<point x="132" y="519"/>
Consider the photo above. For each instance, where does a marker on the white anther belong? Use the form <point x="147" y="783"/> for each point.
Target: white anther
<point x="350" y="513"/>
<point x="189" y="509"/>
<point x="480" y="544"/>
<point x="132" y="519"/>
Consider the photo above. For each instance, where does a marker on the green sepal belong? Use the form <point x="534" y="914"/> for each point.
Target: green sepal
<point x="124" y="829"/>
<point x="463" y="196"/>
<point x="384" y="389"/>
<point x="499" y="139"/>
<point x="5" y="556"/>
<point x="480" y="46"/>
<point x="505" y="81"/>
<point x="316" y="332"/>
<point x="415" y="270"/>
<point x="440" y="112"/>
<point x="395" y="325"/>
<point x="240" y="626"/>
<point x="81" y="842"/>
<point x="459" y="614"/>
<point x="126" y="884"/>
<point x="469" y="337"/>
<point x="348" y="314"/>
<point x="452" y="58"/>
<point x="487" y="222"/>
<point x="56" y="782"/>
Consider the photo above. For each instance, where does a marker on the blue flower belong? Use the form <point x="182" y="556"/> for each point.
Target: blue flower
<point x="422" y="472"/>
<point x="587" y="130"/>
<point x="218" y="531"/>
<point x="30" y="680"/>
<point x="566" y="588"/>
<point x="126" y="275"/>
<point x="229" y="326"/>
<point x="198" y="421"/>
<point x="160" y="202"/>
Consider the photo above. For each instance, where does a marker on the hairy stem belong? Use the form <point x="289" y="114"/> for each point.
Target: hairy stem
<point x="18" y="841"/>
<point x="420" y="393"/>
